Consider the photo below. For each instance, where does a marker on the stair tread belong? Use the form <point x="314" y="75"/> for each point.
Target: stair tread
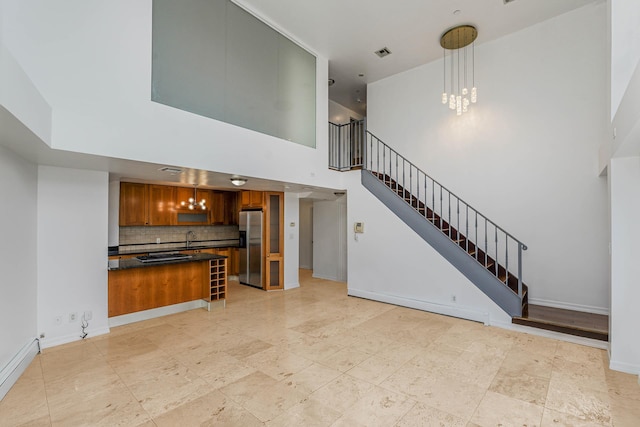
<point x="578" y="323"/>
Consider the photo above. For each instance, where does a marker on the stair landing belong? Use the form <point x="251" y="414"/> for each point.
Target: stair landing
<point x="577" y="323"/>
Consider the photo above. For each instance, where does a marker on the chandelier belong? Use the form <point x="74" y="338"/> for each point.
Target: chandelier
<point x="193" y="202"/>
<point x="456" y="40"/>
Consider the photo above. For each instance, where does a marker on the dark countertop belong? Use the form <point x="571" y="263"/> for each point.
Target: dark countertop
<point x="124" y="264"/>
<point x="115" y="251"/>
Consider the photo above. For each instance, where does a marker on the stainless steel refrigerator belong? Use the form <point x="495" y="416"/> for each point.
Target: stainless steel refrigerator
<point x="251" y="248"/>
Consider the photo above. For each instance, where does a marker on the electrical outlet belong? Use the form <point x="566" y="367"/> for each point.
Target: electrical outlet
<point x="58" y="320"/>
<point x="88" y="315"/>
<point x="73" y="317"/>
<point x="158" y="240"/>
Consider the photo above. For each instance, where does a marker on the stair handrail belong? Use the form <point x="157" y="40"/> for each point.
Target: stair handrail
<point x="368" y="165"/>
<point x="346" y="145"/>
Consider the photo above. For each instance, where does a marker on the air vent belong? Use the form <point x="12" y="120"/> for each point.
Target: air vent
<point x="383" y="52"/>
<point x="170" y="170"/>
<point x="508" y="1"/>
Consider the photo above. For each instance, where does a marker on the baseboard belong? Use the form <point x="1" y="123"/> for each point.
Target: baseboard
<point x="321" y="276"/>
<point x="291" y="286"/>
<point x="569" y="306"/>
<point x="66" y="339"/>
<point x="155" y="312"/>
<point x="628" y="368"/>
<point x="432" y="307"/>
<point x="16" y="366"/>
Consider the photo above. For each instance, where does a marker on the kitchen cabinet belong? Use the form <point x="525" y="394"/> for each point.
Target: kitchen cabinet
<point x="217" y="208"/>
<point x="234" y="262"/>
<point x="161" y="205"/>
<point x="133" y="204"/>
<point x="273" y="241"/>
<point x="145" y="204"/>
<point x="230" y="208"/>
<point x="250" y="199"/>
<point x="151" y="204"/>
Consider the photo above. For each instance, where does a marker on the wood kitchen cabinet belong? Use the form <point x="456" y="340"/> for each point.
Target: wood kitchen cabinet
<point x="230" y="208"/>
<point x="145" y="204"/>
<point x="273" y="238"/>
<point x="250" y="199"/>
<point x="133" y="204"/>
<point x="217" y="208"/>
<point x="151" y="204"/>
<point x="161" y="205"/>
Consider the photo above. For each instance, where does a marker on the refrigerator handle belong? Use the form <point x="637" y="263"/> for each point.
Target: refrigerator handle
<point x="242" y="241"/>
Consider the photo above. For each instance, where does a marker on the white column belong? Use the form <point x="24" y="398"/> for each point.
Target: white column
<point x="624" y="176"/>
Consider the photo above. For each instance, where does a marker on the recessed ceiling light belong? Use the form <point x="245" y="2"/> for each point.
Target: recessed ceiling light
<point x="361" y="75"/>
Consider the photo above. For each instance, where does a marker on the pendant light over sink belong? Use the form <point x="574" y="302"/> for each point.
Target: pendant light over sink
<point x="193" y="202"/>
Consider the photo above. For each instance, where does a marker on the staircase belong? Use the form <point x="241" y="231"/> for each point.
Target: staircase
<point x="485" y="253"/>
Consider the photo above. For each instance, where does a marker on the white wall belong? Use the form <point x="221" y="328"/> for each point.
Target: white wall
<point x="18" y="282"/>
<point x="71" y="252"/>
<point x="329" y="239"/>
<point x="625" y="47"/>
<point x="306" y="234"/>
<point x="526" y="154"/>
<point x="624" y="176"/>
<point x="114" y="213"/>
<point x="341" y="115"/>
<point x="92" y="63"/>
<point x="291" y="240"/>
<point x="389" y="262"/>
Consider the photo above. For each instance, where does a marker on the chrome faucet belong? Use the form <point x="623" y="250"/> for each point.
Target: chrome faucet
<point x="190" y="237"/>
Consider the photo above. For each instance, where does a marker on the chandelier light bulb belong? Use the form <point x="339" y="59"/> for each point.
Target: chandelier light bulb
<point x="452" y="102"/>
<point x="458" y="105"/>
<point x="444" y="97"/>
<point x="474" y="95"/>
<point x="465" y="91"/>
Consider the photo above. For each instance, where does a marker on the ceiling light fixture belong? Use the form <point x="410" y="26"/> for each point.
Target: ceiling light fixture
<point x="238" y="182"/>
<point x="193" y="203"/>
<point x="457" y="39"/>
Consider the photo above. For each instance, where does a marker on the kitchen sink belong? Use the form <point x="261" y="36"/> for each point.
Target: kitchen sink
<point x="162" y="257"/>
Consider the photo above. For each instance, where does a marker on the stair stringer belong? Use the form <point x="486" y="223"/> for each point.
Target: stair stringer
<point x="483" y="279"/>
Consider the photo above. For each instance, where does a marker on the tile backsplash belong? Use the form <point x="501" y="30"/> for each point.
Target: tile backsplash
<point x="175" y="236"/>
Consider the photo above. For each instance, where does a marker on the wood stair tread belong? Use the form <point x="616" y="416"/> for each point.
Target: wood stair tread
<point x="587" y="325"/>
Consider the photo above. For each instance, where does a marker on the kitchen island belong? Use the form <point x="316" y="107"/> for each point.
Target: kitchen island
<point x="135" y="285"/>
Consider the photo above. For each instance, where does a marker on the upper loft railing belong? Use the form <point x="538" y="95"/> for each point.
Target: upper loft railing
<point x="483" y="239"/>
<point x="346" y="151"/>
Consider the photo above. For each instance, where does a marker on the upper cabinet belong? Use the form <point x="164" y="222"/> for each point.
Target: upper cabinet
<point x="133" y="204"/>
<point x="250" y="199"/>
<point x="161" y="207"/>
<point x="144" y="204"/>
<point x="150" y="204"/>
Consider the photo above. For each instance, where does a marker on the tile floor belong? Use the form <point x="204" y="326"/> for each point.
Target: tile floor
<point x="314" y="357"/>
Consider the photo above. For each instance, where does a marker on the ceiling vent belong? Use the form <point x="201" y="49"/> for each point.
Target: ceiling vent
<point x="383" y="52"/>
<point x="508" y="1"/>
<point x="170" y="170"/>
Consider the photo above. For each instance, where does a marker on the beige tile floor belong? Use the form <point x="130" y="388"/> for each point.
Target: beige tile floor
<point x="314" y="357"/>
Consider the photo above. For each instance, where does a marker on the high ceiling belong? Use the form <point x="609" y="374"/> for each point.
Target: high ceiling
<point x="348" y="33"/>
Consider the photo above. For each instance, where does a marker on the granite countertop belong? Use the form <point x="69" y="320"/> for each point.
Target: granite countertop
<point x="115" y="250"/>
<point x="124" y="264"/>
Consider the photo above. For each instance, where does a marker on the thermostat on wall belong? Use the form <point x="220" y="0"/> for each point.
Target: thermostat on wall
<point x="358" y="227"/>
